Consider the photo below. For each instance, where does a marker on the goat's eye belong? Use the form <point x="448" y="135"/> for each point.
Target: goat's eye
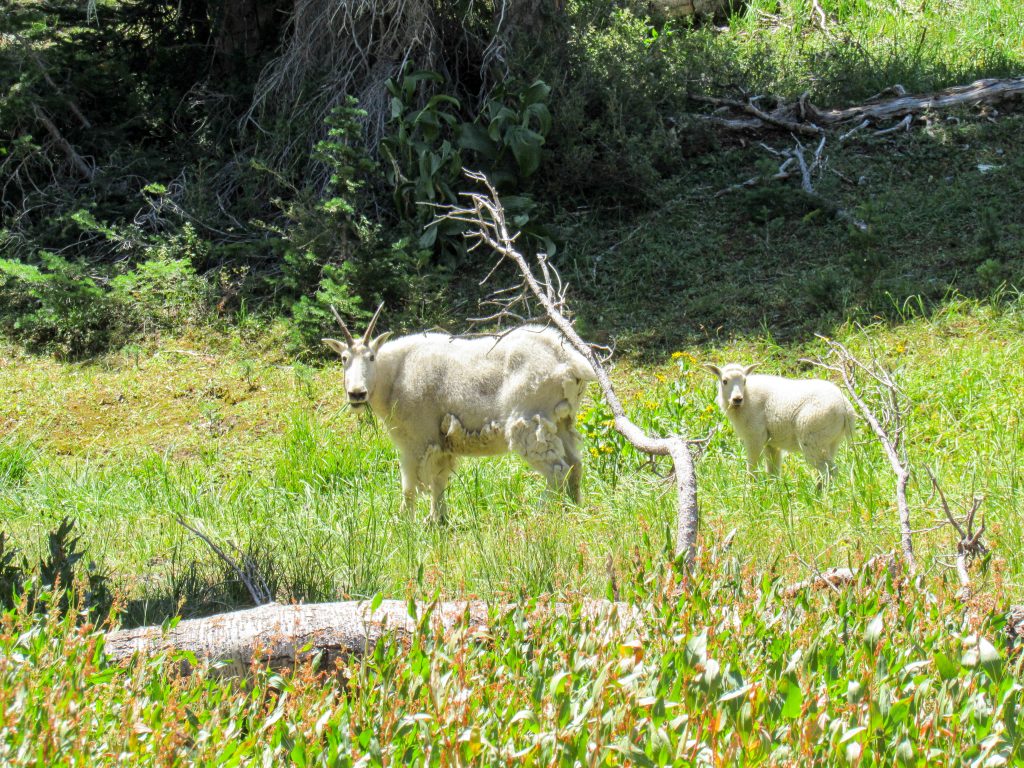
<point x="371" y="357"/>
<point x="725" y="381"/>
<point x="344" y="357"/>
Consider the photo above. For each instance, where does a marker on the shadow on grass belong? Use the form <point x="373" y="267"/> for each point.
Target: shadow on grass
<point x="942" y="204"/>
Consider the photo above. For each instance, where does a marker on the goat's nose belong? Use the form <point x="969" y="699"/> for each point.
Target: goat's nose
<point x="737" y="399"/>
<point x="357" y="394"/>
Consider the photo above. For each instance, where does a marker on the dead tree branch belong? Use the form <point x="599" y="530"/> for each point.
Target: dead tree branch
<point x="249" y="576"/>
<point x="833" y="578"/>
<point x="803" y="117"/>
<point x="969" y="546"/>
<point x="488" y="227"/>
<point x="87" y="171"/>
<point x="775" y="118"/>
<point x="796" y="155"/>
<point x="889" y="429"/>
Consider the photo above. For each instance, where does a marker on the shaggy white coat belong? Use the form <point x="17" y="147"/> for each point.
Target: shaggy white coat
<point x="441" y="397"/>
<point x="772" y="414"/>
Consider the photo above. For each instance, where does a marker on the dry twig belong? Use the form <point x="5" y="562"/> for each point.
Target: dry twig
<point x="970" y="545"/>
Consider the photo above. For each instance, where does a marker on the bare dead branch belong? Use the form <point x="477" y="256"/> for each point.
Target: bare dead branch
<point x="969" y="546"/>
<point x="888" y="430"/>
<point x="250" y="577"/>
<point x="903" y="124"/>
<point x="804" y="118"/>
<point x="489" y="227"/>
<point x="775" y="118"/>
<point x="833" y="578"/>
<point x="87" y="171"/>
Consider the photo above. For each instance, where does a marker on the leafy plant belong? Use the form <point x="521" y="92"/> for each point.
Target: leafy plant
<point x="429" y="145"/>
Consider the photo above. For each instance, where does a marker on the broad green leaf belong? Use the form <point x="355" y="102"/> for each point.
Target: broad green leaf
<point x="946" y="667"/>
<point x="475" y="138"/>
<point x="793" y="704"/>
<point x="697" y="649"/>
<point x="537" y="91"/>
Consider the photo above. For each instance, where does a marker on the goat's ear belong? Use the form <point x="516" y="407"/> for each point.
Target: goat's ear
<point x="337" y="346"/>
<point x="750" y="368"/>
<point x="377" y="342"/>
<point x="714" y="370"/>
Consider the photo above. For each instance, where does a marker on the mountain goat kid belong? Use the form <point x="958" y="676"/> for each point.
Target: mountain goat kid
<point x="442" y="397"/>
<point x="772" y="414"/>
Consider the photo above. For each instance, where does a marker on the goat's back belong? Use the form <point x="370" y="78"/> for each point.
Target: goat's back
<point x="791" y="400"/>
<point x="484" y="378"/>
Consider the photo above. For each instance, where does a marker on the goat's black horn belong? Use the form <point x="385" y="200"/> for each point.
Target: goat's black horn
<point x="344" y="328"/>
<point x="373" y="322"/>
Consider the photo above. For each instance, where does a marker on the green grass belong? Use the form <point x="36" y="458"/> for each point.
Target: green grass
<point x="312" y="492"/>
<point x="871" y="45"/>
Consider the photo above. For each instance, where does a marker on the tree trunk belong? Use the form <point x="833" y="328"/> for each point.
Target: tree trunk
<point x="249" y="28"/>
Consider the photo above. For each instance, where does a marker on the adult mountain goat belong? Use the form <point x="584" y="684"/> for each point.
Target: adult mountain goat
<point x="772" y="414"/>
<point x="442" y="397"/>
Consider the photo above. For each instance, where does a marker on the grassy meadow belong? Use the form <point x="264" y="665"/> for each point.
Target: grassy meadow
<point x="255" y="450"/>
<point x="228" y="426"/>
<point x="261" y="452"/>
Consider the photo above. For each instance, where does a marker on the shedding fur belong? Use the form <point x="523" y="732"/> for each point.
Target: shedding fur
<point x="772" y="414"/>
<point x="441" y="397"/>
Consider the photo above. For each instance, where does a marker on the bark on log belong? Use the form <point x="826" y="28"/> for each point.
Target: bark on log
<point x="803" y="117"/>
<point x="283" y="635"/>
<point x="833" y="578"/>
<point x="988" y="91"/>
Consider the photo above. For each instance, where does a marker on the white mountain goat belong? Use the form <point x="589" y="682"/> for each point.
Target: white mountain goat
<point x="772" y="414"/>
<point x="442" y="397"/>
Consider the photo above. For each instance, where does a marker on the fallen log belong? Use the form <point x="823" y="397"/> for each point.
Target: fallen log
<point x="805" y="118"/>
<point x="833" y="578"/>
<point x="281" y="636"/>
<point x="988" y="91"/>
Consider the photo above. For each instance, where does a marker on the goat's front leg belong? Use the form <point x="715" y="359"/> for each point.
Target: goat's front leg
<point x="409" y="466"/>
<point x="754" y="450"/>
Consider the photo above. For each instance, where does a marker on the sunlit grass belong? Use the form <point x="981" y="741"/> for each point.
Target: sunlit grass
<point x="315" y="490"/>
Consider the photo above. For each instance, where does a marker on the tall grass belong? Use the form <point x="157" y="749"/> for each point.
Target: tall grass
<point x="867" y="46"/>
<point x="316" y="506"/>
